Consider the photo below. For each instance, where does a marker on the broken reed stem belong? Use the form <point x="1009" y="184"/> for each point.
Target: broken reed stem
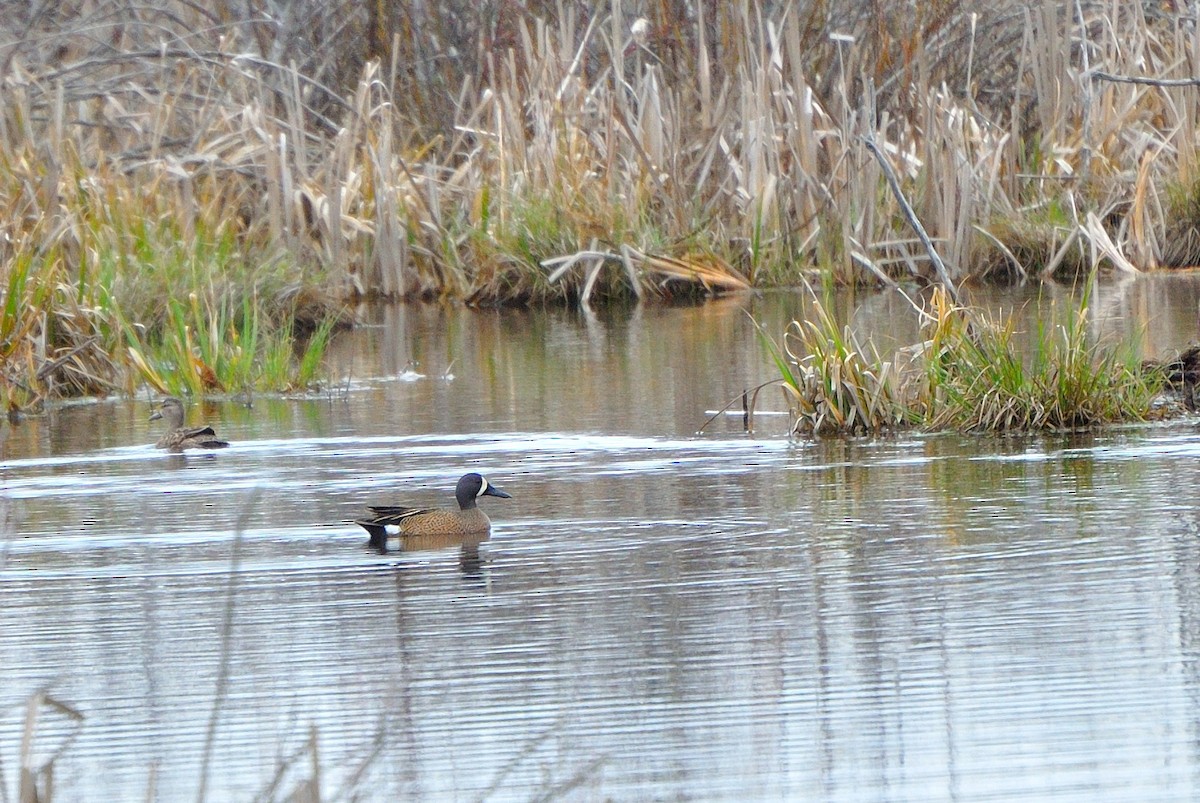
<point x="1101" y="75"/>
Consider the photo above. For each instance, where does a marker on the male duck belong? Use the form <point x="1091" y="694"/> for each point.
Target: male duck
<point x="178" y="437"/>
<point x="467" y="520"/>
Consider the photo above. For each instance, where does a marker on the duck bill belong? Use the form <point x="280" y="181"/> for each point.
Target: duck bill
<point x="492" y="490"/>
<point x="154" y="416"/>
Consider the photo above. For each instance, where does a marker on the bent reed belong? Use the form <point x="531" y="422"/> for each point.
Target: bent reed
<point x="260" y="174"/>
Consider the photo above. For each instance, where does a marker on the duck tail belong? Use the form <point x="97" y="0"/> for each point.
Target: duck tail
<point x="378" y="533"/>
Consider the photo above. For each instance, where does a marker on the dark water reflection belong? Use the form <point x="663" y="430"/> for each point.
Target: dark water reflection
<point x="656" y="615"/>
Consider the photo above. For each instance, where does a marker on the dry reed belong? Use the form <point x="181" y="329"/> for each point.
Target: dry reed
<point x="358" y="150"/>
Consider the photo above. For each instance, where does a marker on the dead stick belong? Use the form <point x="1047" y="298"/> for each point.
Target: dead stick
<point x="913" y="220"/>
<point x="1100" y="75"/>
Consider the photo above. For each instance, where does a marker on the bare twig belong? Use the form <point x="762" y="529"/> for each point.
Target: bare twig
<point x="741" y="398"/>
<point x="913" y="220"/>
<point x="1101" y="75"/>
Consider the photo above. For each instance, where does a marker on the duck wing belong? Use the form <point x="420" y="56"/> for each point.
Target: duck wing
<point x="202" y="438"/>
<point x="196" y="432"/>
<point x="394" y="514"/>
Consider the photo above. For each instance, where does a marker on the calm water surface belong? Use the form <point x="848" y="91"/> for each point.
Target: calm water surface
<point x="656" y="615"/>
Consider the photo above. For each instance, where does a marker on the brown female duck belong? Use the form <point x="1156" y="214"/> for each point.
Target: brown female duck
<point x="178" y="437"/>
<point x="416" y="521"/>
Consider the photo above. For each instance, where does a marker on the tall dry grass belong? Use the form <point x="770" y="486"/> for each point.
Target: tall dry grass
<point x="447" y="150"/>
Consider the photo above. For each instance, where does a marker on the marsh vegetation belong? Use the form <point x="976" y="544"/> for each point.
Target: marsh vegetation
<point x="969" y="372"/>
<point x="186" y="190"/>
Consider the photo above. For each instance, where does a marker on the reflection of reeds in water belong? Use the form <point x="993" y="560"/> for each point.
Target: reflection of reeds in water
<point x="227" y="623"/>
<point x="36" y="783"/>
<point x="37" y="780"/>
<point x="582" y="774"/>
<point x="298" y="775"/>
<point x="7" y="529"/>
<point x="308" y="788"/>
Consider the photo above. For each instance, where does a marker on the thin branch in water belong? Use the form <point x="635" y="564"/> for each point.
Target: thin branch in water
<point x="749" y="406"/>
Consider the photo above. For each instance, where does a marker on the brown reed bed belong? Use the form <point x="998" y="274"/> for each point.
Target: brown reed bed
<point x="350" y="150"/>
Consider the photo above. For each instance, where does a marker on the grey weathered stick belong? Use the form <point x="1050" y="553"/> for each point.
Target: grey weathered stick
<point x="1101" y="75"/>
<point x="913" y="220"/>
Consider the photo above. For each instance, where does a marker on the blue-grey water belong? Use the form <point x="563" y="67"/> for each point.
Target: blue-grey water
<point x="657" y="615"/>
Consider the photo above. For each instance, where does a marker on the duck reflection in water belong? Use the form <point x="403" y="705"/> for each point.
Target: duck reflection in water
<point x="470" y="563"/>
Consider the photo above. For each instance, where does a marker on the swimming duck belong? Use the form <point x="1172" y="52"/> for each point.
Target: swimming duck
<point x="416" y="521"/>
<point x="178" y="437"/>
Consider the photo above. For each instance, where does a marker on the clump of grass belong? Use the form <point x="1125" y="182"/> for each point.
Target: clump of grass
<point x="981" y="379"/>
<point x="1042" y="242"/>
<point x="833" y="385"/>
<point x="969" y="374"/>
<point x="208" y="347"/>
<point x="132" y="298"/>
<point x="1181" y="241"/>
<point x="51" y="342"/>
